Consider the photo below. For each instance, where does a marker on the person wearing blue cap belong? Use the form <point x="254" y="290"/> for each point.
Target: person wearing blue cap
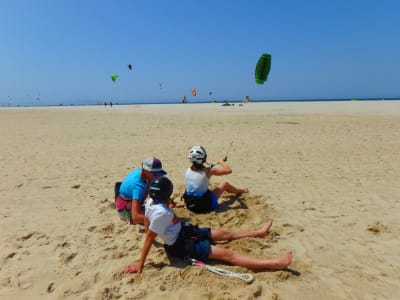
<point x="133" y="190"/>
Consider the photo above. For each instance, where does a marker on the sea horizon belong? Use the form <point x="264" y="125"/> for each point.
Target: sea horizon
<point x="107" y="103"/>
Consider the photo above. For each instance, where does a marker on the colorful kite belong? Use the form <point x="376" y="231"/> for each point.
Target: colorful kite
<point x="194" y="92"/>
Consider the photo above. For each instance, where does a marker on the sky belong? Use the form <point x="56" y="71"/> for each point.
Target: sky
<point x="64" y="51"/>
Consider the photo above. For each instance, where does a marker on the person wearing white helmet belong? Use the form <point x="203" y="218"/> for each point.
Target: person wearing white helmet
<point x="198" y="197"/>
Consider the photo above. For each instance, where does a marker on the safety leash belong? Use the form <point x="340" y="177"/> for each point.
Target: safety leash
<point x="242" y="276"/>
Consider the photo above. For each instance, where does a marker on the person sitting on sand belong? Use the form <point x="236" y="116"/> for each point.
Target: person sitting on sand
<point x="133" y="190"/>
<point x="198" y="197"/>
<point x="182" y="239"/>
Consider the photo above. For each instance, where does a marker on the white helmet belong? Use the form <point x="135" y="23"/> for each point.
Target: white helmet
<point x="198" y="155"/>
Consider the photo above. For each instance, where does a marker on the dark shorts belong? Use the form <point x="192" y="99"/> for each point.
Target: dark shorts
<point x="193" y="242"/>
<point x="203" y="204"/>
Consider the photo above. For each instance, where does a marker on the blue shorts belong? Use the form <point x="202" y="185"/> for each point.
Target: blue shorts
<point x="202" y="247"/>
<point x="202" y="250"/>
<point x="214" y="201"/>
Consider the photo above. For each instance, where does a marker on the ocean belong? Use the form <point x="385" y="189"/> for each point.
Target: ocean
<point x="91" y="103"/>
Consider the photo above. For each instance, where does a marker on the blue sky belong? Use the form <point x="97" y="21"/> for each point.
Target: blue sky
<point x="64" y="51"/>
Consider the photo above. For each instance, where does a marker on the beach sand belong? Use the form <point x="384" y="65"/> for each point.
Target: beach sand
<point x="326" y="172"/>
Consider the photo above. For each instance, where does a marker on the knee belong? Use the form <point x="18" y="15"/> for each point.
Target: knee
<point x="228" y="254"/>
<point x="224" y="184"/>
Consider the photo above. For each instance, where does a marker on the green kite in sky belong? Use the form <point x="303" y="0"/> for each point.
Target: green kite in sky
<point x="114" y="77"/>
<point x="262" y="68"/>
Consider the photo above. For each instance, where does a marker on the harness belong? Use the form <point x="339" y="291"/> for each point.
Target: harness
<point x="184" y="244"/>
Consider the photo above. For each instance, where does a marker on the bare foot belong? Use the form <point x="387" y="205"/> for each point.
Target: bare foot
<point x="264" y="231"/>
<point x="243" y="191"/>
<point x="282" y="262"/>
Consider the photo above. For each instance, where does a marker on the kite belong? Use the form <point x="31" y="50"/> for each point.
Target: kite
<point x="130" y="67"/>
<point x="210" y="93"/>
<point x="114" y="77"/>
<point x="262" y="68"/>
<point x="194" y="92"/>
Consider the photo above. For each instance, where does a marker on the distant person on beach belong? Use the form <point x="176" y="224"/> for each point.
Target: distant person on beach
<point x="133" y="190"/>
<point x="226" y="103"/>
<point x="184" y="99"/>
<point x="110" y="104"/>
<point x="105" y="104"/>
<point x="182" y="239"/>
<point x="247" y="99"/>
<point x="198" y="197"/>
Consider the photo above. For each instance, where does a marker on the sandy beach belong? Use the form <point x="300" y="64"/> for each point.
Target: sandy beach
<point x="326" y="172"/>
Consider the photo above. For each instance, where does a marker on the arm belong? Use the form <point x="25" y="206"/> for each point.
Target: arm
<point x="224" y="170"/>
<point x="173" y="204"/>
<point x="137" y="212"/>
<point x="148" y="242"/>
<point x="139" y="194"/>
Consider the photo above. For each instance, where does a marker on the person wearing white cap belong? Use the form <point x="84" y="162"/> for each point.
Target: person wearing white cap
<point x="132" y="191"/>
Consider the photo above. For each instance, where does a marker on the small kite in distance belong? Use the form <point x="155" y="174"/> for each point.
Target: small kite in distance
<point x="114" y="77"/>
<point x="130" y="67"/>
<point x="194" y="92"/>
<point x="262" y="68"/>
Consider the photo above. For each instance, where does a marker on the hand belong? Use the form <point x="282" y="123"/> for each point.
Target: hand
<point x="222" y="161"/>
<point x="133" y="269"/>
<point x="179" y="205"/>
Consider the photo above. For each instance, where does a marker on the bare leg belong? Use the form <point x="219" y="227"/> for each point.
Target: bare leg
<point x="225" y="186"/>
<point x="227" y="235"/>
<point x="227" y="255"/>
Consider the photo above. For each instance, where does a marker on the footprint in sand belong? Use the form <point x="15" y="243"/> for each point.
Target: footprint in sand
<point x="109" y="228"/>
<point x="11" y="255"/>
<point x="50" y="288"/>
<point x="67" y="256"/>
<point x="282" y="276"/>
<point x="110" y="293"/>
<point x="26" y="236"/>
<point x="377" y="227"/>
<point x="24" y="279"/>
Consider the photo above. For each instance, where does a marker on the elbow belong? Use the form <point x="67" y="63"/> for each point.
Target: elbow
<point x="138" y="219"/>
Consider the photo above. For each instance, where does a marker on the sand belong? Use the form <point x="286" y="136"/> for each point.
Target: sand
<point x="326" y="172"/>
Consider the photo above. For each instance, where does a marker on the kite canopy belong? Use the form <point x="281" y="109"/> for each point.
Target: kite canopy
<point x="262" y="68"/>
<point x="114" y="77"/>
<point x="130" y="67"/>
<point x="194" y="92"/>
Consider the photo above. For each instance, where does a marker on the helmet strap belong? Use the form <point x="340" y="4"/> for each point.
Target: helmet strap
<point x="157" y="201"/>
